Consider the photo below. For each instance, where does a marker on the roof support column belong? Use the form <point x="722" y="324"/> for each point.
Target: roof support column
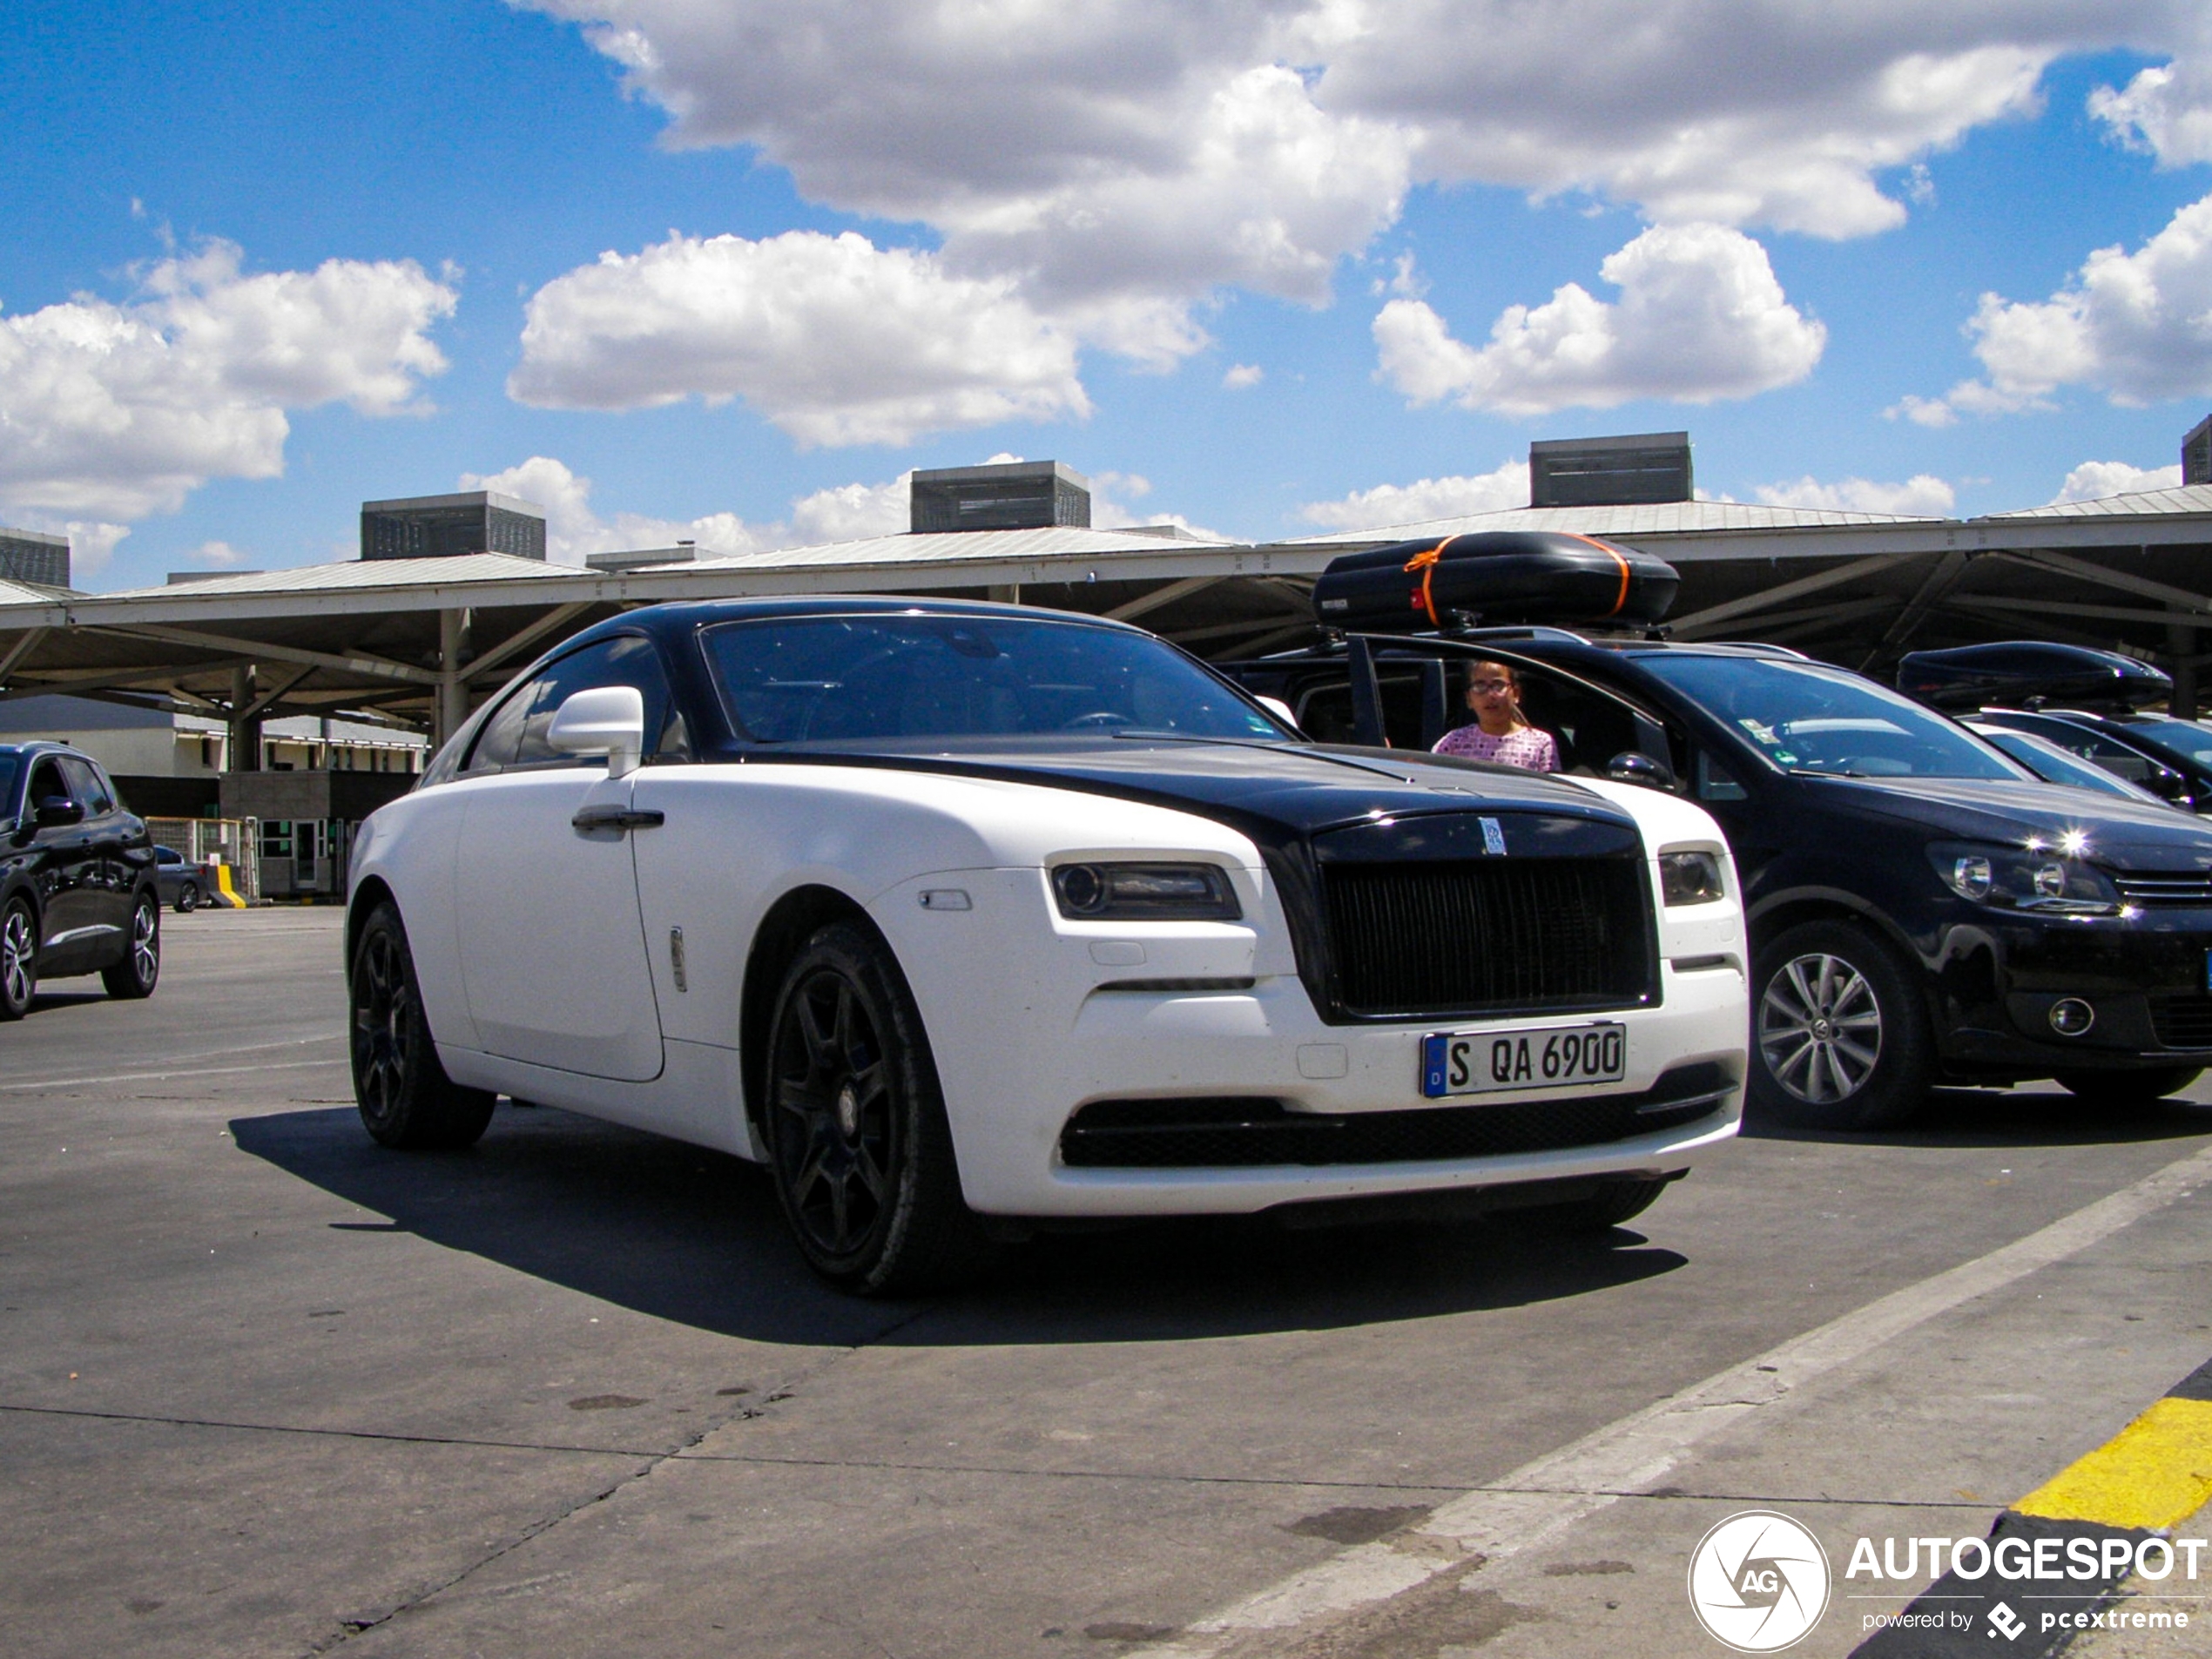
<point x="2180" y="644"/>
<point x="1005" y="593"/>
<point x="246" y="724"/>
<point x="453" y="689"/>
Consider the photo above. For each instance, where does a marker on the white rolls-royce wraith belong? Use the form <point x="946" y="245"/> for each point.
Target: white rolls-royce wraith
<point x="966" y="918"/>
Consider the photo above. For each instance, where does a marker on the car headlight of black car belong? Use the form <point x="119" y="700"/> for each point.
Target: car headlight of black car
<point x="2025" y="878"/>
<point x="1145" y="892"/>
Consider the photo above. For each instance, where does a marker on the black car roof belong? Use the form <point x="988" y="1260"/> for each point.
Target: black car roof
<point x="665" y="622"/>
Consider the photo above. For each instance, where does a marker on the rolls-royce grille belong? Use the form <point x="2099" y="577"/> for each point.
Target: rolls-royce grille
<point x="1248" y="1131"/>
<point x="2181" y="1019"/>
<point x="2193" y="887"/>
<point x="1458" y="936"/>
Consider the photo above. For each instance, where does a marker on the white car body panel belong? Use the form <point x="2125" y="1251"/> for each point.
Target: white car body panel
<point x="547" y="969"/>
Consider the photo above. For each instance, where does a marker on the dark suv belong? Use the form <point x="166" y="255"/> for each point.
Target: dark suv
<point x="1921" y="907"/>
<point x="77" y="879"/>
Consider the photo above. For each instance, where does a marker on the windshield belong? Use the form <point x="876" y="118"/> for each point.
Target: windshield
<point x="2184" y="737"/>
<point x="840" y="678"/>
<point x="1802" y="717"/>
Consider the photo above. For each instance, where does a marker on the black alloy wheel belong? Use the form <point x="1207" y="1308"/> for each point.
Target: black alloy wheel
<point x="858" y="1141"/>
<point x="18" y="959"/>
<point x="2122" y="1089"/>
<point x="135" y="975"/>
<point x="405" y="1097"/>
<point x="188" y="898"/>
<point x="1840" y="1035"/>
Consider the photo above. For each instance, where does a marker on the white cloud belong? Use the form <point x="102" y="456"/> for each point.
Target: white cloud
<point x="574" y="529"/>
<point x="2094" y="480"/>
<point x="1242" y="375"/>
<point x="1506" y="486"/>
<point x="1700" y="317"/>
<point x="2167" y="110"/>
<point x="2136" y="327"/>
<point x="115" y="411"/>
<point x="1164" y="146"/>
<point x="216" y="555"/>
<point x="852" y="512"/>
<point x="1922" y="495"/>
<point x="834" y="340"/>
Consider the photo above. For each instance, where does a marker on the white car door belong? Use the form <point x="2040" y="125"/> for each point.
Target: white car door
<point x="551" y="944"/>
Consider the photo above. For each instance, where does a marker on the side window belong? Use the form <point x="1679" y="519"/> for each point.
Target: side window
<point x="87" y="784"/>
<point x="501" y="734"/>
<point x="514" y="736"/>
<point x="46" y="781"/>
<point x="1714" y="782"/>
<point x="1589" y="727"/>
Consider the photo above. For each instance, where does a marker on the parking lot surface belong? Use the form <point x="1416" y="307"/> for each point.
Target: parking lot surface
<point x="265" y="1388"/>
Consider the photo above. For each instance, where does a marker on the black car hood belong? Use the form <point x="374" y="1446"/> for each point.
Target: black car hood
<point x="1305" y="788"/>
<point x="2126" y="835"/>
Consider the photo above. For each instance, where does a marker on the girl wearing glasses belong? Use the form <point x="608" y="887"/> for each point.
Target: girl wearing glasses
<point x="1500" y="732"/>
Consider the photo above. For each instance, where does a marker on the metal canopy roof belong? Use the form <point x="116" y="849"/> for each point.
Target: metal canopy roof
<point x="417" y="641"/>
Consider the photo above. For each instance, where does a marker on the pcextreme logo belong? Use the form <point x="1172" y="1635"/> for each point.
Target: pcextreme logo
<point x="1758" y="1581"/>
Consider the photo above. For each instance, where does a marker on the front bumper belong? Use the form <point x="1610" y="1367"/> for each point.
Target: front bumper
<point x="1020" y="1051"/>
<point x="2147" y="976"/>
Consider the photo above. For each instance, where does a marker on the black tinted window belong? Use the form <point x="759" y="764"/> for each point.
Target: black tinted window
<point x="1802" y="717"/>
<point x="515" y="735"/>
<point x="86" y="784"/>
<point x="831" y="678"/>
<point x="46" y="782"/>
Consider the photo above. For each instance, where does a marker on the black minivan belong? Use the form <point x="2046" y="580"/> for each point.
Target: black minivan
<point x="1922" y="908"/>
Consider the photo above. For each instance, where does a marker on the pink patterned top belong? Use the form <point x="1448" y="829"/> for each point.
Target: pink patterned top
<point x="1528" y="748"/>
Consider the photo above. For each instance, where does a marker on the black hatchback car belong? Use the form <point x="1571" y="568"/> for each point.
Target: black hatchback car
<point x="1921" y="907"/>
<point x="77" y="879"/>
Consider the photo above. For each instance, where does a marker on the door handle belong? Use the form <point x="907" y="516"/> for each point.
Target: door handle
<point x="618" y="817"/>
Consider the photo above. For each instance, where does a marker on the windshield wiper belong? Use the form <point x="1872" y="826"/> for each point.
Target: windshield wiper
<point x="1825" y="771"/>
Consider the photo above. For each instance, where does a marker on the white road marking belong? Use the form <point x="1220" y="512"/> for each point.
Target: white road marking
<point x="161" y="1076"/>
<point x="1539" y="1500"/>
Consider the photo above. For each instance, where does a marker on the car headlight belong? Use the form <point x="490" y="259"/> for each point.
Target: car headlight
<point x="2016" y="878"/>
<point x="1145" y="892"/>
<point x="1690" y="878"/>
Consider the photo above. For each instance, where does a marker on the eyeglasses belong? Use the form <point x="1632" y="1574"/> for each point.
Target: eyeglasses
<point x="1491" y="688"/>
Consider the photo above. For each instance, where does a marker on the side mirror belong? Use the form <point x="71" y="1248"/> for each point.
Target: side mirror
<point x="606" y="720"/>
<point x="1632" y="767"/>
<point x="2168" y="785"/>
<point x="57" y="810"/>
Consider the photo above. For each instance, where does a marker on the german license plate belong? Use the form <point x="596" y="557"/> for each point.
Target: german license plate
<point x="1482" y="1062"/>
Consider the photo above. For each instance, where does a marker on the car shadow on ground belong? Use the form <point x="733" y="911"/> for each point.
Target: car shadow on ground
<point x="678" y="1233"/>
<point x="2031" y="1115"/>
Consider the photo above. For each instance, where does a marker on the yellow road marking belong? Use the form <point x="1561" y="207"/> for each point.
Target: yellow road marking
<point x="2156" y="1471"/>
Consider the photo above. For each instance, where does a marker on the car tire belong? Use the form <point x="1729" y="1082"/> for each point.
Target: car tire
<point x="188" y="899"/>
<point x="139" y="971"/>
<point x="18" y="959"/>
<point x="2122" y="1089"/>
<point x="405" y="1097"/>
<point x="859" y="1145"/>
<point x="1621" y="1199"/>
<point x="1840" y="1034"/>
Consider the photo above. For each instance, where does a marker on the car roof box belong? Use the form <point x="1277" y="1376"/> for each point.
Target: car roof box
<point x="1495" y="577"/>
<point x="2031" y="673"/>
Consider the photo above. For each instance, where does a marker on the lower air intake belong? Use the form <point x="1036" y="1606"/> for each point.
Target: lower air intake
<point x="1221" y="1132"/>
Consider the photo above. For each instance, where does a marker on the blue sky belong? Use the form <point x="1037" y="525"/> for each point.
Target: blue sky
<point x="1251" y="263"/>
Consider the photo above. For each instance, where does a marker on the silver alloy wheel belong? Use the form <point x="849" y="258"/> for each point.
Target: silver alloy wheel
<point x="1820" y="1029"/>
<point x="18" y="951"/>
<point x="146" y="946"/>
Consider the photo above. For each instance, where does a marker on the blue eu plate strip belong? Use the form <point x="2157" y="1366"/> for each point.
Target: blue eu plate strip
<point x="1433" y="1048"/>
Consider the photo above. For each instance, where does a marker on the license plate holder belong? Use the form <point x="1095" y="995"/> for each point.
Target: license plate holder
<point x="1552" y="1056"/>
